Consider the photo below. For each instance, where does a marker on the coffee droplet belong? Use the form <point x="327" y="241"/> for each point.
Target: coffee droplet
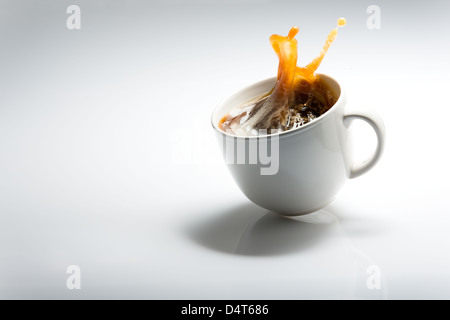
<point x="341" y="22"/>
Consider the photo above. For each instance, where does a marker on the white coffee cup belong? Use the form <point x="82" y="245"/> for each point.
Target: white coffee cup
<point x="309" y="164"/>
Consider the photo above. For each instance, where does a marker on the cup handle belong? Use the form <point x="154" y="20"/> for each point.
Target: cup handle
<point x="377" y="124"/>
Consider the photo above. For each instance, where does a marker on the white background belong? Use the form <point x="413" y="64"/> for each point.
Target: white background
<point x="108" y="160"/>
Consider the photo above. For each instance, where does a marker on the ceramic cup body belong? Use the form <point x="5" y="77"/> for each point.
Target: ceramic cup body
<point x="308" y="165"/>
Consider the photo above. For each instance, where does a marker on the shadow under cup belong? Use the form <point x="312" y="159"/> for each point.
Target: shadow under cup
<point x="297" y="171"/>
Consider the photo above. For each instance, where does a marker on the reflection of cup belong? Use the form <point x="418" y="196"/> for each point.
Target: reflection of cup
<point x="312" y="161"/>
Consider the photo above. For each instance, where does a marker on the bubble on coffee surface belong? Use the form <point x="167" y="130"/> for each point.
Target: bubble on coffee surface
<point x="298" y="97"/>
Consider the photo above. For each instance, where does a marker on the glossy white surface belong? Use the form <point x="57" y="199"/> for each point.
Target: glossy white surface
<point x="89" y="177"/>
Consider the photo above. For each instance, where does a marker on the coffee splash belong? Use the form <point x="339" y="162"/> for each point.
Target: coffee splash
<point x="299" y="95"/>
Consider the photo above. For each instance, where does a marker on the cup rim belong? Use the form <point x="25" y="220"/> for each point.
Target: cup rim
<point x="284" y="133"/>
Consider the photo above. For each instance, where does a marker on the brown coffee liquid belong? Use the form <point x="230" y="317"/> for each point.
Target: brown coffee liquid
<point x="298" y="97"/>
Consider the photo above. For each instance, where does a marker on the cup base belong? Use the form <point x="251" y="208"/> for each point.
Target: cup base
<point x="302" y="213"/>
